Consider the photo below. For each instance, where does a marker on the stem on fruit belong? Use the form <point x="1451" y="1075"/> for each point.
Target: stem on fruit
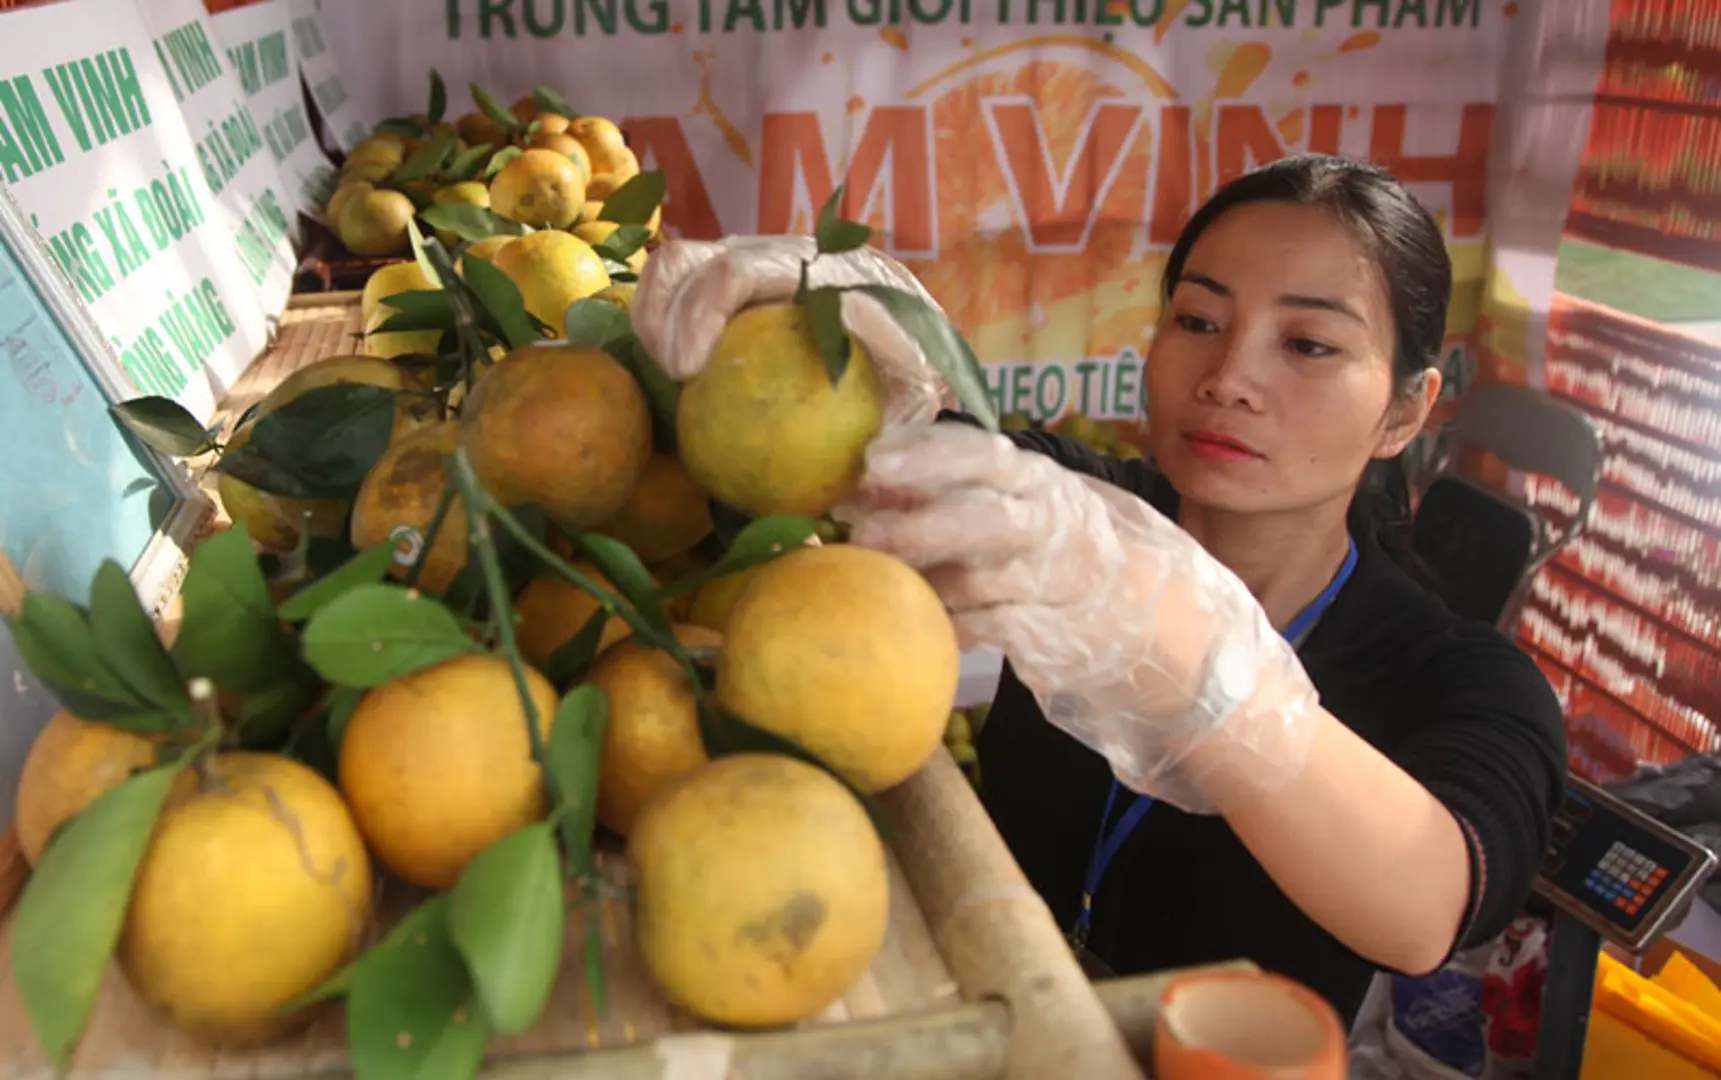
<point x="611" y="602"/>
<point x="479" y="506"/>
<point x="208" y="713"/>
<point x="443" y="503"/>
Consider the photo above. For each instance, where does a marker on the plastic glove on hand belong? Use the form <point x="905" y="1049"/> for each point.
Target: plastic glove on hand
<point x="1133" y="639"/>
<point x="690" y="289"/>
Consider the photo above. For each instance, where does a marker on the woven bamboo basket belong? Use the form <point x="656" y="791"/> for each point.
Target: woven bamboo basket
<point x="974" y="980"/>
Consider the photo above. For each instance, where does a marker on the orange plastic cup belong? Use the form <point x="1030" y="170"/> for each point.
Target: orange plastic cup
<point x="1246" y="1025"/>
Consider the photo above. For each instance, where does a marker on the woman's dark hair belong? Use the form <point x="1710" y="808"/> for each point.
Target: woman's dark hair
<point x="1404" y="242"/>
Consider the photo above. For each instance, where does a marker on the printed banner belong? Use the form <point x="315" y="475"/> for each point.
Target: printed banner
<point x="258" y="41"/>
<point x="342" y="123"/>
<point x="236" y="161"/>
<point x="94" y="148"/>
<point x="1031" y="160"/>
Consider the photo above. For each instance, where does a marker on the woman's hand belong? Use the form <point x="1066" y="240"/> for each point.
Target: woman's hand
<point x="690" y="289"/>
<point x="1133" y="638"/>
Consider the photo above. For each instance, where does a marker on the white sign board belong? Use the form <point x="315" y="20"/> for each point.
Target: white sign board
<point x="96" y="152"/>
<point x="341" y="120"/>
<point x="258" y="39"/>
<point x="230" y="147"/>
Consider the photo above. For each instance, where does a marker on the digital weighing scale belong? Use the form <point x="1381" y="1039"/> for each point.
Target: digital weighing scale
<point x="1611" y="872"/>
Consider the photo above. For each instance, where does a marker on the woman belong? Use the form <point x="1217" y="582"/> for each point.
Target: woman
<point x="1341" y="775"/>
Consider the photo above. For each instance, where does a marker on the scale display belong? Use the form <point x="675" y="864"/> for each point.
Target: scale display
<point x="1618" y="869"/>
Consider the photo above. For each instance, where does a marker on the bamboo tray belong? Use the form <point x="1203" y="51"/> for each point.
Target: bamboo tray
<point x="974" y="979"/>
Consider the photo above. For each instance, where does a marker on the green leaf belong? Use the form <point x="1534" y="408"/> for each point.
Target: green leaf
<point x="373" y="634"/>
<point x="412" y="1010"/>
<point x="426" y="159"/>
<point x="163" y="425"/>
<point x="410" y="321"/>
<point x="575" y="751"/>
<point x="724" y="733"/>
<point x="492" y="108"/>
<point x="467" y="163"/>
<point x="506" y="917"/>
<point x="438" y="98"/>
<point x="758" y="542"/>
<point x="342" y="701"/>
<point x="832" y="234"/>
<point x="662" y="394"/>
<point x="616" y="561"/>
<point x="127" y="644"/>
<point x="54" y="637"/>
<point x="635" y="201"/>
<point x="267" y="715"/>
<point x="404" y="126"/>
<point x="420" y="301"/>
<point x="69" y="917"/>
<point x="501" y="160"/>
<point x="618" y="277"/>
<point x="229" y="632"/>
<point x="592" y="957"/>
<point x="573" y="657"/>
<point x="320" y="445"/>
<point x="501" y="298"/>
<point x="622" y="243"/>
<point x="366" y="568"/>
<point x="824" y="311"/>
<point x="548" y="100"/>
<point x="945" y="349"/>
<point x="471" y="222"/>
<point x="595" y="323"/>
<point x="421" y="256"/>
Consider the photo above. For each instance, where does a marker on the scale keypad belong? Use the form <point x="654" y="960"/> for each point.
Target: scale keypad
<point x="1625" y="879"/>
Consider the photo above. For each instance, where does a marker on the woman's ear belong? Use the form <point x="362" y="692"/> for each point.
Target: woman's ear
<point x="1407" y="415"/>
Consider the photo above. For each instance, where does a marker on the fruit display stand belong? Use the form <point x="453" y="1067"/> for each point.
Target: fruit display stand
<point x="974" y="978"/>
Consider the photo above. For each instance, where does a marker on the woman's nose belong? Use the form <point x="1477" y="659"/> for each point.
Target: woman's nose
<point x="1232" y="377"/>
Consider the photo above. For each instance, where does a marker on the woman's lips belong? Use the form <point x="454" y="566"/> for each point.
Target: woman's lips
<point x="1216" y="447"/>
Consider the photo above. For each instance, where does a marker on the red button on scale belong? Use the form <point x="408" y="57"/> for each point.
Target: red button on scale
<point x="1633" y="907"/>
<point x="1658" y="876"/>
<point x="1619" y="902"/>
<point x="1634" y="884"/>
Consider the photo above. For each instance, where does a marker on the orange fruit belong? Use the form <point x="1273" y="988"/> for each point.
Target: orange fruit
<point x="561" y="427"/>
<point x="604" y="145"/>
<point x="438" y="765"/>
<point x="551" y="610"/>
<point x="667" y="515"/>
<point x="398" y="500"/>
<point x="70" y="763"/>
<point x="541" y="188"/>
<point x="848" y="653"/>
<point x="652" y="738"/>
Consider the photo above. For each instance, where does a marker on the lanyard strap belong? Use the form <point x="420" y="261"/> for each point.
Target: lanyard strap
<point x="1109" y="841"/>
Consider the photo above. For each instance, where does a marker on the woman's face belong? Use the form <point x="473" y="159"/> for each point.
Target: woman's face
<point x="1270" y="377"/>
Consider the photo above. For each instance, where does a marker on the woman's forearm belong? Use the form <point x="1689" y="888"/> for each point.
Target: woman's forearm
<point x="1363" y="849"/>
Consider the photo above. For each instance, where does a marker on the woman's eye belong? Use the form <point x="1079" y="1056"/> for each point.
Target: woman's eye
<point x="1195" y="324"/>
<point x="1310" y="347"/>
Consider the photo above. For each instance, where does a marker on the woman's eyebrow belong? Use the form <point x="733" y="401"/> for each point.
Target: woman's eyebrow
<point x="1295" y="300"/>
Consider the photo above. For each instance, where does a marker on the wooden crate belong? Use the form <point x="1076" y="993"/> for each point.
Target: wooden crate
<point x="974" y="979"/>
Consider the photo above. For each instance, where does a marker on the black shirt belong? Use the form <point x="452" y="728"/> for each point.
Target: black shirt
<point x="1451" y="702"/>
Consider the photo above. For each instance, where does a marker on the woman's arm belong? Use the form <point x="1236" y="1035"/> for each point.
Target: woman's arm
<point x="1408" y="857"/>
<point x="1364" y="849"/>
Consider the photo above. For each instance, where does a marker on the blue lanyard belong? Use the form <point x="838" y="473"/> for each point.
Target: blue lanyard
<point x="1110" y="841"/>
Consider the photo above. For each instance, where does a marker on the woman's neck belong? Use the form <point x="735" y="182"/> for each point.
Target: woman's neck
<point x="1284" y="559"/>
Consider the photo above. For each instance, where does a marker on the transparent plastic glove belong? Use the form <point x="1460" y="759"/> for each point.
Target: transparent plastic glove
<point x="690" y="289"/>
<point x="1133" y="638"/>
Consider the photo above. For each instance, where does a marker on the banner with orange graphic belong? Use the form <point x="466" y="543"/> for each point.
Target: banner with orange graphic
<point x="1031" y="160"/>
